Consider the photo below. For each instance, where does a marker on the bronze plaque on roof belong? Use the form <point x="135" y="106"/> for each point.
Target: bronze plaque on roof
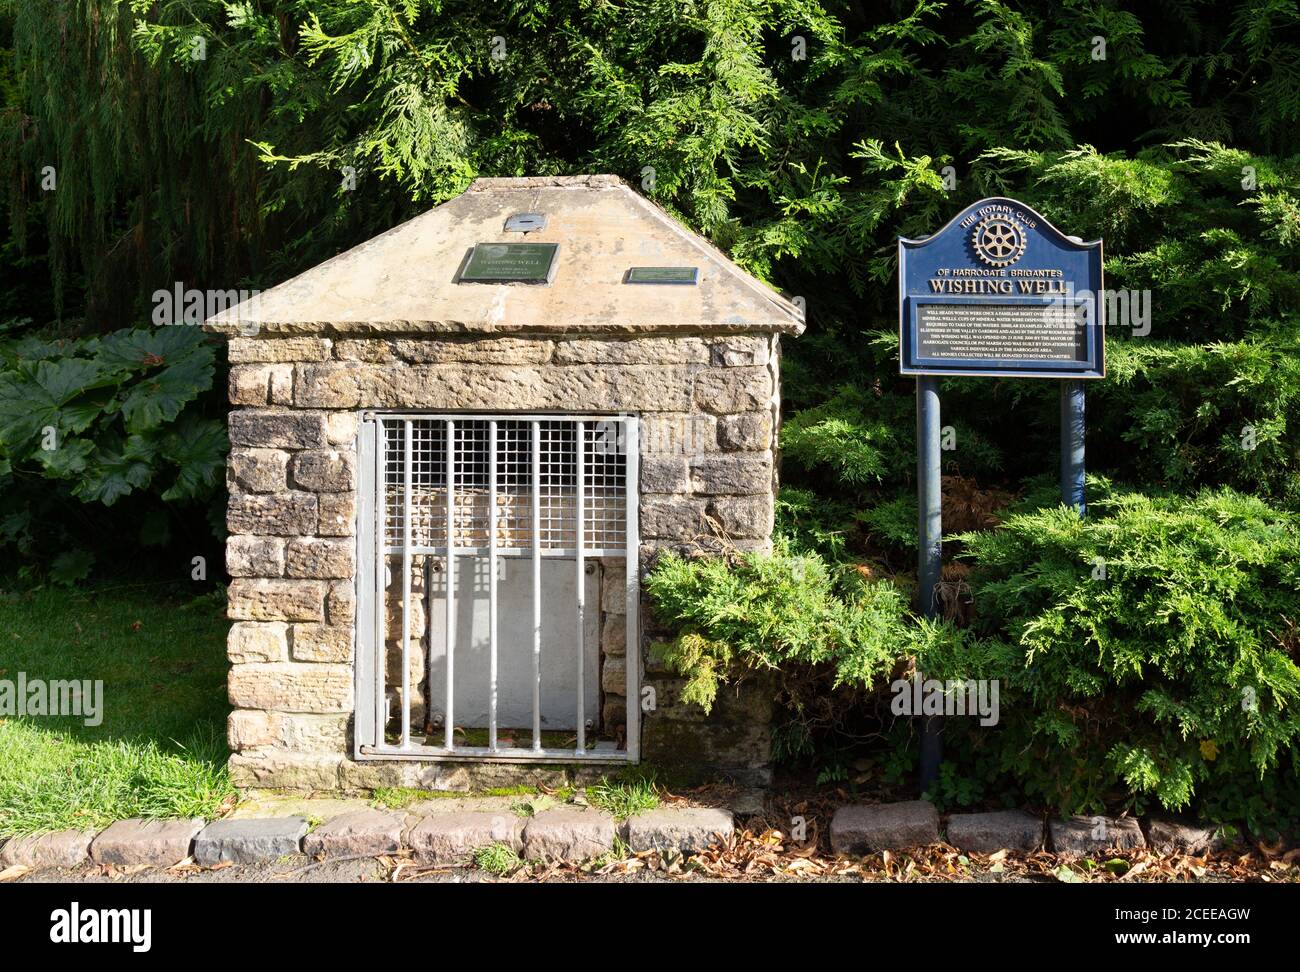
<point x="510" y="263"/>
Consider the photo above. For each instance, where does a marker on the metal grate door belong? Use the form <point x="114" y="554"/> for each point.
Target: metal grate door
<point x="456" y="511"/>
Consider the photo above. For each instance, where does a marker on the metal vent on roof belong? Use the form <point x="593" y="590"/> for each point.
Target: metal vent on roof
<point x="526" y="222"/>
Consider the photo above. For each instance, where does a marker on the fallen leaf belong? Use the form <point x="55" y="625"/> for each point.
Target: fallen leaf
<point x="13" y="872"/>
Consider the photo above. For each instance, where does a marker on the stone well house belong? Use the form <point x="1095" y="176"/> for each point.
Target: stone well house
<point x="452" y="460"/>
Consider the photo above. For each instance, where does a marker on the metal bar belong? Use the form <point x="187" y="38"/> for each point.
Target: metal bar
<point x="553" y="553"/>
<point x="930" y="546"/>
<point x="632" y="541"/>
<point x="492" y="585"/>
<point x="504" y="755"/>
<point x="450" y="725"/>
<point x="406" y="588"/>
<point x="1072" y="436"/>
<point x="379" y="588"/>
<point x="365" y="545"/>
<point x="580" y="592"/>
<point x="537" y="586"/>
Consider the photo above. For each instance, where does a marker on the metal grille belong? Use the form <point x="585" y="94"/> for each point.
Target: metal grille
<point x="556" y="453"/>
<point x="448" y="495"/>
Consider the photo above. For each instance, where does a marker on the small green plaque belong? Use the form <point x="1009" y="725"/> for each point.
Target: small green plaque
<point x="663" y="275"/>
<point x="510" y="263"/>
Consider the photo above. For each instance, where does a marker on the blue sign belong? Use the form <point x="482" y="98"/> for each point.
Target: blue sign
<point x="1000" y="291"/>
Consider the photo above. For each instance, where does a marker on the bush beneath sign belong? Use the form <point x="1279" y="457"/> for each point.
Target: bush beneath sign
<point x="1145" y="655"/>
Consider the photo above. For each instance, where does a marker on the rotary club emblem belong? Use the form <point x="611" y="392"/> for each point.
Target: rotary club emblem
<point x="999" y="241"/>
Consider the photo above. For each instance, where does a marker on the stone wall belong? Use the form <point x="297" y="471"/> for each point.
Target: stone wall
<point x="708" y="408"/>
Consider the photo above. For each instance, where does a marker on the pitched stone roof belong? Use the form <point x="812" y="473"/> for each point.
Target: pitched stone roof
<point x="405" y="280"/>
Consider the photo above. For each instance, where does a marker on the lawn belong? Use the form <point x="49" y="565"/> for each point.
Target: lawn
<point x="160" y="749"/>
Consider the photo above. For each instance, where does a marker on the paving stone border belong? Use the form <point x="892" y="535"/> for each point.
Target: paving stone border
<point x="573" y="833"/>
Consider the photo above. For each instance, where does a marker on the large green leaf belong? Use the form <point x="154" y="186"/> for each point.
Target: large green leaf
<point x="159" y="397"/>
<point x="137" y="347"/>
<point x="69" y="459"/>
<point x="43" y="393"/>
<point x="114" y="473"/>
<point x="198" y="449"/>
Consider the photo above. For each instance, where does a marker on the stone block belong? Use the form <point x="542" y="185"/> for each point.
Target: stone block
<point x="249" y="841"/>
<point x="739" y="474"/>
<point x="739" y="351"/>
<point x="1184" y="837"/>
<point x="64" y="848"/>
<point x="613" y="635"/>
<point x="291" y="687"/>
<point x="725" y="391"/>
<point x="676" y="831"/>
<point x="270" y="429"/>
<point x="361" y="832"/>
<point x="664" y="474"/>
<point x="274" y="514"/>
<point x="257" y="470"/>
<point x="450" y="838"/>
<point x="742" y="516"/>
<point x="568" y="834"/>
<point x="671" y="517"/>
<point x="338" y="514"/>
<point x="250" y="385"/>
<point x="257" y="641"/>
<point x="159" y="843"/>
<point x="341" y="429"/>
<point x="987" y="833"/>
<point x="271" y="349"/>
<point x="474" y="350"/>
<point x="1079" y="836"/>
<point x="248" y="556"/>
<point x="613" y="675"/>
<point x="315" y="557"/>
<point x="679" y="433"/>
<point x="644" y="351"/>
<point x="322" y="643"/>
<point x="748" y="432"/>
<point x="861" y="829"/>
<point x="275" y="600"/>
<point x="280" y="770"/>
<point x="325" y="471"/>
<point x="341" y="603"/>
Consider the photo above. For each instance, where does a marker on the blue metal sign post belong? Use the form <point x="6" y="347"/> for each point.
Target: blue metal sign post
<point x="997" y="292"/>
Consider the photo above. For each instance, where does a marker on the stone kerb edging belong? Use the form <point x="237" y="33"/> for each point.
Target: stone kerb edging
<point x="560" y="834"/>
<point x="576" y="833"/>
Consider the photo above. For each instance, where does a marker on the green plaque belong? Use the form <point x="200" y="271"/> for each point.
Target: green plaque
<point x="662" y="275"/>
<point x="510" y="263"/>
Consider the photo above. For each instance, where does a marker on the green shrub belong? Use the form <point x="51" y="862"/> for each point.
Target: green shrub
<point x="776" y="613"/>
<point x="1222" y="414"/>
<point x="1153" y="650"/>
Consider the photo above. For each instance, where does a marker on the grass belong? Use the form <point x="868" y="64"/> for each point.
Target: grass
<point x="624" y="798"/>
<point x="160" y="750"/>
<point x="498" y="859"/>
